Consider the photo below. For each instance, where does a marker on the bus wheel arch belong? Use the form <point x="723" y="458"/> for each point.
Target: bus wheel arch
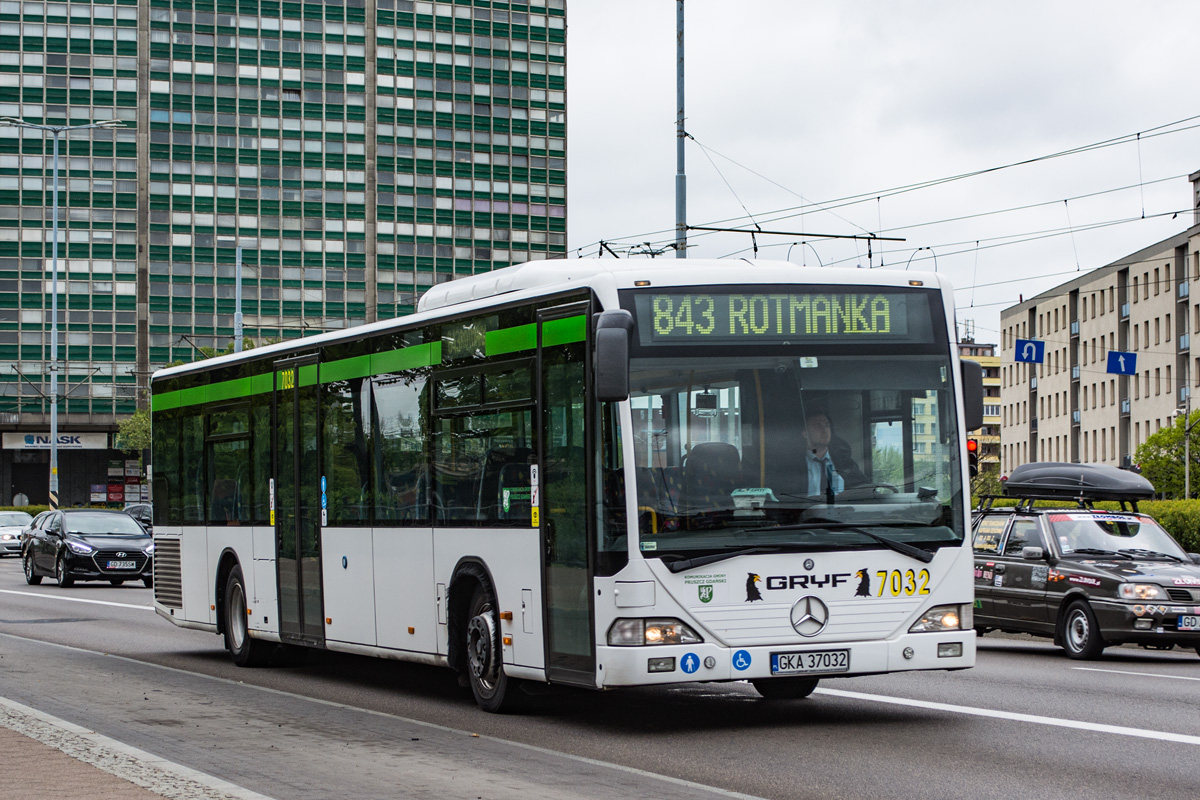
<point x="225" y="564"/>
<point x="473" y="633"/>
<point x="469" y="573"/>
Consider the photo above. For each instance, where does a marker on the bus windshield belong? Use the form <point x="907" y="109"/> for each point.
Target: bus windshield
<point x="788" y="451"/>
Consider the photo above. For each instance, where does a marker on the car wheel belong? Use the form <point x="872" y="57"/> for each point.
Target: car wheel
<point x="244" y="650"/>
<point x="785" y="688"/>
<point x="1080" y="635"/>
<point x="31" y="578"/>
<point x="116" y="581"/>
<point x="61" y="575"/>
<point x="494" y="691"/>
<point x="148" y="581"/>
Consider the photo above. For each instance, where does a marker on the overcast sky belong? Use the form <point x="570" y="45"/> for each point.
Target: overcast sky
<point x="830" y="100"/>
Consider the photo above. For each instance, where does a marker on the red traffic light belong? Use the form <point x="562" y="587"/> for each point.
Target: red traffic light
<point x="972" y="445"/>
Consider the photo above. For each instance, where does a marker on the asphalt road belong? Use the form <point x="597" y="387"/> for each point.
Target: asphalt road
<point x="1026" y="722"/>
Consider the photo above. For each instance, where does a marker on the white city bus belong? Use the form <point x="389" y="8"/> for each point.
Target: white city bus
<point x="598" y="473"/>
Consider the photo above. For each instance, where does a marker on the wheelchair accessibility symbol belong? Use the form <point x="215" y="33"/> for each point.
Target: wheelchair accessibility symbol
<point x="741" y="660"/>
<point x="689" y="663"/>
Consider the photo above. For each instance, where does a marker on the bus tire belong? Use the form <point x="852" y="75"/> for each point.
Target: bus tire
<point x="785" y="688"/>
<point x="494" y="691"/>
<point x="1080" y="634"/>
<point x="244" y="650"/>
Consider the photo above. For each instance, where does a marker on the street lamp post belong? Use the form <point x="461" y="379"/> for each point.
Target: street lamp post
<point x="56" y="130"/>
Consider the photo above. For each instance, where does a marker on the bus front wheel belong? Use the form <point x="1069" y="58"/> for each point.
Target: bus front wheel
<point x="494" y="691"/>
<point x="245" y="651"/>
<point x="785" y="688"/>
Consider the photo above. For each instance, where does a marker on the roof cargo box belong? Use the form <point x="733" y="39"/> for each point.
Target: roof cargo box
<point x="1093" y="481"/>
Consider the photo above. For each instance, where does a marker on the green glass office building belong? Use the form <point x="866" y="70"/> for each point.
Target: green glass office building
<point x="356" y="151"/>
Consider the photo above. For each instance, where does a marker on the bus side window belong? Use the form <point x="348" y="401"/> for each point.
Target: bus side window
<point x="399" y="424"/>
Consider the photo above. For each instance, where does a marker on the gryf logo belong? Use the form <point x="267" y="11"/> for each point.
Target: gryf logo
<point x="864" y="583"/>
<point x="752" y="592"/>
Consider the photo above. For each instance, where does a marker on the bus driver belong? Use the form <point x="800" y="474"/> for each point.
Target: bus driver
<point x="830" y="466"/>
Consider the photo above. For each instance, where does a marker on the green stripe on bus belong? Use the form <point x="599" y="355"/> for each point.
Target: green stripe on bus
<point x="308" y="374"/>
<point x="165" y="401"/>
<point x="511" y="340"/>
<point x="260" y="384"/>
<point x="228" y="390"/>
<point x="346" y="369"/>
<point x="420" y="355"/>
<point x="567" y="330"/>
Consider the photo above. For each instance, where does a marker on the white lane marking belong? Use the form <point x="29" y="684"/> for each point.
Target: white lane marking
<point x="117" y="758"/>
<point x="74" y="599"/>
<point x="1097" y="727"/>
<point x="1143" y="674"/>
<point x="698" y="787"/>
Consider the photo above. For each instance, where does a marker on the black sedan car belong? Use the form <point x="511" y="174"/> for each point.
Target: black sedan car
<point x="1086" y="578"/>
<point x="87" y="544"/>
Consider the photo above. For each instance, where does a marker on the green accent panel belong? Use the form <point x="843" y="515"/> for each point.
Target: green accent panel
<point x="421" y="355"/>
<point x="262" y="383"/>
<point x="164" y="402"/>
<point x="308" y="374"/>
<point x="567" y="330"/>
<point x="228" y="390"/>
<point x="345" y="369"/>
<point x="511" y="340"/>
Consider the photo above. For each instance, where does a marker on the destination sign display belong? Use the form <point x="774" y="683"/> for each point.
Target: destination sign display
<point x="792" y="317"/>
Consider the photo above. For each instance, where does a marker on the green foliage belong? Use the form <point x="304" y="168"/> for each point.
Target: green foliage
<point x="1161" y="457"/>
<point x="987" y="482"/>
<point x="134" y="433"/>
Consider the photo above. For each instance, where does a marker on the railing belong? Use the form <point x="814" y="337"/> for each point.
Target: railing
<point x="1125" y="408"/>
<point x="1075" y="327"/>
<point x="1124" y="310"/>
<point x="1075" y="417"/>
<point x="1183" y="290"/>
<point x="1075" y="373"/>
<point x="1183" y="342"/>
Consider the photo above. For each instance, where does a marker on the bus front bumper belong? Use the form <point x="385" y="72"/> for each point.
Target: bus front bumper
<point x="639" y="666"/>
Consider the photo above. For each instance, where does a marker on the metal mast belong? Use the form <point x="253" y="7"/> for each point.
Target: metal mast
<point x="680" y="136"/>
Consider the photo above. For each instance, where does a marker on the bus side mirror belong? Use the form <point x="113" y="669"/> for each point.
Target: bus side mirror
<point x="612" y="355"/>
<point x="972" y="381"/>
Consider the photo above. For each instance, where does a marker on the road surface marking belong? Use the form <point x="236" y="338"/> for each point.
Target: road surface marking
<point x="117" y="758"/>
<point x="1097" y="727"/>
<point x="74" y="599"/>
<point x="1143" y="674"/>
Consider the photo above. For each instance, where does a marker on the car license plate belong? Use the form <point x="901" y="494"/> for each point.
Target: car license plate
<point x="1189" y="624"/>
<point x="811" y="661"/>
<point x="122" y="565"/>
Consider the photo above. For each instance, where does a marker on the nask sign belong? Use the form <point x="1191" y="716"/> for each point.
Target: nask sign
<point x="66" y="441"/>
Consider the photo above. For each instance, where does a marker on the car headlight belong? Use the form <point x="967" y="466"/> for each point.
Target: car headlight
<point x="149" y="549"/>
<point x="7" y="537"/>
<point x="1141" y="591"/>
<point x="945" y="618"/>
<point x="82" y="548"/>
<point x="637" y="632"/>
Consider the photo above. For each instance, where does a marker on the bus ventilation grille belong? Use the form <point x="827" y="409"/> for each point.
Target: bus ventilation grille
<point x="168" y="580"/>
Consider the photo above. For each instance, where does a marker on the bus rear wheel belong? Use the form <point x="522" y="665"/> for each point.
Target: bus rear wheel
<point x="244" y="650"/>
<point x="785" y="688"/>
<point x="494" y="691"/>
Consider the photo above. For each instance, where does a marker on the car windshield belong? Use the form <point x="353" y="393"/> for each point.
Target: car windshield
<point x="108" y="524"/>
<point x="1120" y="533"/>
<point x="14" y="518"/>
<point x="783" y="451"/>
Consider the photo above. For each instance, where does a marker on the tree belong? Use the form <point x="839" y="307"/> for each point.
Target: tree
<point x="1161" y="457"/>
<point x="134" y="432"/>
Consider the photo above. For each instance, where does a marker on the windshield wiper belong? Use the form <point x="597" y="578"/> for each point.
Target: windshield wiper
<point x="1095" y="551"/>
<point x="680" y="564"/>
<point x="903" y="548"/>
<point x="1154" y="553"/>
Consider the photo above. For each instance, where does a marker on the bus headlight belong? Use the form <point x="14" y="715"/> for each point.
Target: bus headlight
<point x="638" y="632"/>
<point x="1141" y="591"/>
<point x="945" y="618"/>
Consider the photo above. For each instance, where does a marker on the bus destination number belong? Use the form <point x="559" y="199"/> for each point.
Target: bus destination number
<point x="815" y="661"/>
<point x="287" y="379"/>
<point x="902" y="584"/>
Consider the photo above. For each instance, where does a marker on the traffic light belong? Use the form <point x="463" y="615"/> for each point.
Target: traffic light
<point x="972" y="457"/>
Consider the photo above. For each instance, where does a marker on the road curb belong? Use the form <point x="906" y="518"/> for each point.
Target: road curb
<point x="158" y="775"/>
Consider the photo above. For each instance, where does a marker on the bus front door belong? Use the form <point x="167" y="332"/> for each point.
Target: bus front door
<point x="563" y="507"/>
<point x="297" y="512"/>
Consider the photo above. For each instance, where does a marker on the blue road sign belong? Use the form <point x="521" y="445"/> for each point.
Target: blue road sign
<point x="1030" y="351"/>
<point x="1122" y="363"/>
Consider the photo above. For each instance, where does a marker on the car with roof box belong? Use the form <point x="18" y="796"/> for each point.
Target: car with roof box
<point x="1086" y="577"/>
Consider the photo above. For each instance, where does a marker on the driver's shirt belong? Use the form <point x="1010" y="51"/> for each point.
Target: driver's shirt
<point x="818" y="468"/>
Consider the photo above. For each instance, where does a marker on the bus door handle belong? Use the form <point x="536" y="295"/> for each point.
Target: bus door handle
<point x="548" y="525"/>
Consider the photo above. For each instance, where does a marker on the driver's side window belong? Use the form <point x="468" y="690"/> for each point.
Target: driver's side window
<point x="1023" y="533"/>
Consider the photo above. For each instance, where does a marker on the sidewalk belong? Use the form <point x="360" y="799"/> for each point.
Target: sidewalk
<point x="48" y="757"/>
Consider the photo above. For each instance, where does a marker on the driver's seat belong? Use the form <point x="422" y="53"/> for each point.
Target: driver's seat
<point x="710" y="475"/>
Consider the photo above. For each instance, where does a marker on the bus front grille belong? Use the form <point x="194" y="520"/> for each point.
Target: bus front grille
<point x="168" y="575"/>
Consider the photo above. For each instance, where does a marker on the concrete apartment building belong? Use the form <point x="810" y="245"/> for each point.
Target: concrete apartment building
<point x="357" y="151"/>
<point x="1070" y="408"/>
<point x="989" y="434"/>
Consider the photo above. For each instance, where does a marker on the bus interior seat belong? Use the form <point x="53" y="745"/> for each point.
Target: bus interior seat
<point x="488" y="501"/>
<point x="710" y="474"/>
<point x="514" y="478"/>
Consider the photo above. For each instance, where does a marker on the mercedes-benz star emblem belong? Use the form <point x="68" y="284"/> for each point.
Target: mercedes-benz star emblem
<point x="809" y="616"/>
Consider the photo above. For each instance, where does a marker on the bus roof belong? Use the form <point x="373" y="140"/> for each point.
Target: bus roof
<point x="567" y="273"/>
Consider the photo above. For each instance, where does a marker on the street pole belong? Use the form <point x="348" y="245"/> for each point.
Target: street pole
<point x="56" y="131"/>
<point x="1187" y="432"/>
<point x="237" y="305"/>
<point x="680" y="137"/>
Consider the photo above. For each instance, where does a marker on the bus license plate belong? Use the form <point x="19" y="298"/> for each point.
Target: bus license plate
<point x="122" y="564"/>
<point x="812" y="661"/>
<point x="1189" y="624"/>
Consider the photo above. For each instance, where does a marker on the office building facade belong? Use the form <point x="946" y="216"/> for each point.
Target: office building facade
<point x="1071" y="407"/>
<point x="354" y="152"/>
